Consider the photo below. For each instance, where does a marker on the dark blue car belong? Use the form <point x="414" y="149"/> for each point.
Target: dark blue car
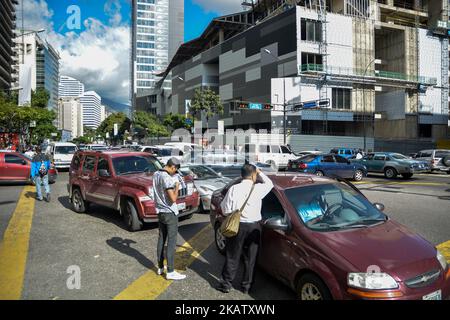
<point x="328" y="165"/>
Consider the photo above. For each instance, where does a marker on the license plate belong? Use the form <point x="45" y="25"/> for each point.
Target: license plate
<point x="181" y="206"/>
<point x="294" y="166"/>
<point x="437" y="295"/>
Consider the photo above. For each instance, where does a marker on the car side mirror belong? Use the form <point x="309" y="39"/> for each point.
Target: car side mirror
<point x="104" y="173"/>
<point x="24" y="162"/>
<point x="276" y="223"/>
<point x="379" y="206"/>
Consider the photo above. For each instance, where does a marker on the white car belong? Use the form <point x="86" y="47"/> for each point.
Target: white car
<point x="277" y="156"/>
<point x="61" y="153"/>
<point x="206" y="181"/>
<point x="164" y="153"/>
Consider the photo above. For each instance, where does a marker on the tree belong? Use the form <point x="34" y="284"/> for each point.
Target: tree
<point x="206" y="101"/>
<point x="108" y="126"/>
<point x="39" y="98"/>
<point x="176" y="121"/>
<point x="148" y="124"/>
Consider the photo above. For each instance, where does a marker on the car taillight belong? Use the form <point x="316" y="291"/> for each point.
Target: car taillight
<point x="303" y="166"/>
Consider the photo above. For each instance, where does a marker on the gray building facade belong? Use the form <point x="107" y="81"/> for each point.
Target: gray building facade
<point x="7" y="26"/>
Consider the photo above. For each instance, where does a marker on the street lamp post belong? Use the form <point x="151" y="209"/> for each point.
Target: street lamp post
<point x="284" y="96"/>
<point x="364" y="104"/>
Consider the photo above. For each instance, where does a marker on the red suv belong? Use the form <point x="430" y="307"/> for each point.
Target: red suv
<point x="122" y="181"/>
<point x="325" y="240"/>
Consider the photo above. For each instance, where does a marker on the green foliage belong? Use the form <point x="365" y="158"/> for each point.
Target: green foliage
<point x="206" y="101"/>
<point x="108" y="126"/>
<point x="18" y="119"/>
<point x="82" y="140"/>
<point x="176" y="121"/>
<point x="39" y="98"/>
<point x="147" y="124"/>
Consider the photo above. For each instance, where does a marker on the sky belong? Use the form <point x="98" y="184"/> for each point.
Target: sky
<point x="96" y="51"/>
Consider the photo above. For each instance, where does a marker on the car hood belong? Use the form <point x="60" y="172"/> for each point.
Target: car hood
<point x="390" y="247"/>
<point x="140" y="179"/>
<point x="213" y="184"/>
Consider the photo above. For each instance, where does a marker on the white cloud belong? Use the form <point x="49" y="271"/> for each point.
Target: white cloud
<point x="220" y="6"/>
<point x="98" y="56"/>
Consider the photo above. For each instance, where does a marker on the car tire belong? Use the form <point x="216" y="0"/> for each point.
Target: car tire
<point x="319" y="173"/>
<point x="130" y="217"/>
<point x="219" y="240"/>
<point x="407" y="175"/>
<point x="311" y="287"/>
<point x="79" y="204"/>
<point x="390" y="173"/>
<point x="446" y="161"/>
<point x="359" y="175"/>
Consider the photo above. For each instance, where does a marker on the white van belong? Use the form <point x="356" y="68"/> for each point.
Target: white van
<point x="277" y="156"/>
<point x="61" y="153"/>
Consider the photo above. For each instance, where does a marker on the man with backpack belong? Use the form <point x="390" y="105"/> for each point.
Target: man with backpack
<point x="40" y="164"/>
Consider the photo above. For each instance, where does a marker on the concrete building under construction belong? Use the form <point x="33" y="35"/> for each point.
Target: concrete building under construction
<point x="382" y="65"/>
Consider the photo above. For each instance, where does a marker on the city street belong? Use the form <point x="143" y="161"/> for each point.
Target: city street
<point x="117" y="264"/>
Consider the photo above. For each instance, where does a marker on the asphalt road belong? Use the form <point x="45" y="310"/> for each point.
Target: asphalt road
<point x="113" y="262"/>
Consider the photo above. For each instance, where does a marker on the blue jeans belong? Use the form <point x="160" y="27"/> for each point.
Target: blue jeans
<point x="38" y="180"/>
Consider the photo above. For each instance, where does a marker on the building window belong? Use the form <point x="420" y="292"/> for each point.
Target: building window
<point x="311" y="30"/>
<point x="342" y="98"/>
<point x="311" y="58"/>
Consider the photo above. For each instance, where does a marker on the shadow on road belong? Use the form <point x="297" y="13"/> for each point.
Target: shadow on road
<point x="124" y="247"/>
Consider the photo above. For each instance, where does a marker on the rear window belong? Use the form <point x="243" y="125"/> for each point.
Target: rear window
<point x="441" y="154"/>
<point x="424" y="154"/>
<point x="382" y="158"/>
<point x="348" y="152"/>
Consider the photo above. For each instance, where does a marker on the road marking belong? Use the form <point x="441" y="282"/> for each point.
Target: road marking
<point x="14" y="247"/>
<point x="150" y="285"/>
<point x="444" y="248"/>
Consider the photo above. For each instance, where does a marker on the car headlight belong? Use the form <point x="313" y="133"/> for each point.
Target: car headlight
<point x="441" y="260"/>
<point x="190" y="188"/>
<point x="372" y="281"/>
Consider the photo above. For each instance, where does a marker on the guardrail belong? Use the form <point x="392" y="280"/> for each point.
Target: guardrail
<point x="344" y="71"/>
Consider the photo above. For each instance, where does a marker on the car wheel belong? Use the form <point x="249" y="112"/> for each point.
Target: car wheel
<point x="130" y="217"/>
<point x="79" y="204"/>
<point x="220" y="240"/>
<point x="407" y="175"/>
<point x="359" y="175"/>
<point x="390" y="173"/>
<point x="446" y="161"/>
<point x="311" y="287"/>
<point x="319" y="173"/>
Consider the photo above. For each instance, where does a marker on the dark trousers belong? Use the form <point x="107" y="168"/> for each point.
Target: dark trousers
<point x="245" y="243"/>
<point x="168" y="231"/>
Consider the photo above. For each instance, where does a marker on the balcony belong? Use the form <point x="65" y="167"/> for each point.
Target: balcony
<point x="359" y="73"/>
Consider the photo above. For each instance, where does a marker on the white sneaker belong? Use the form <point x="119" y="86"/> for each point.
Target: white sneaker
<point x="160" y="271"/>
<point x="175" y="276"/>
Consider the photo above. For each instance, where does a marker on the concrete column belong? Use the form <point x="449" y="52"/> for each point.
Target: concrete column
<point x="221" y="36"/>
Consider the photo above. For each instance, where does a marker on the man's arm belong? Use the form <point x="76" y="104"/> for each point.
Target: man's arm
<point x="227" y="202"/>
<point x="266" y="185"/>
<point x="173" y="192"/>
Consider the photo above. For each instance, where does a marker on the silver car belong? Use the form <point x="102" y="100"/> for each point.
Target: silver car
<point x="434" y="158"/>
<point x="206" y="181"/>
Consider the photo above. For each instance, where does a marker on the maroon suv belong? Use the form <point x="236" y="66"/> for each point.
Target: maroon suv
<point x="325" y="240"/>
<point x="122" y="181"/>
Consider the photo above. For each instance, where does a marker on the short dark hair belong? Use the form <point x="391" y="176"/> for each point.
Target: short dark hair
<point x="38" y="149"/>
<point x="174" y="162"/>
<point x="247" y="170"/>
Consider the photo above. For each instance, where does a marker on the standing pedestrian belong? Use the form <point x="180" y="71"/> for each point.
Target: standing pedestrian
<point x="249" y="194"/>
<point x="40" y="164"/>
<point x="166" y="184"/>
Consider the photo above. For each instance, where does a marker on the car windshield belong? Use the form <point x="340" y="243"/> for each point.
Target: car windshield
<point x="135" y="164"/>
<point x="65" y="150"/>
<point x="203" y="172"/>
<point x="228" y="171"/>
<point x="333" y="206"/>
<point x="399" y="156"/>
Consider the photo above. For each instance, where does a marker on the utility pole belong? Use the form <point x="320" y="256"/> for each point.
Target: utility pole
<point x="364" y="104"/>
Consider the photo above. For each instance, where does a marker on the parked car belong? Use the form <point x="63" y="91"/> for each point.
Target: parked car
<point x="434" y="158"/>
<point x="206" y="181"/>
<point x="218" y="156"/>
<point x="61" y="153"/>
<point x="164" y="153"/>
<point x="233" y="170"/>
<point x="16" y="167"/>
<point x="345" y="152"/>
<point x="97" y="147"/>
<point x="325" y="240"/>
<point x="277" y="156"/>
<point x="392" y="164"/>
<point x="328" y="165"/>
<point x="446" y="163"/>
<point x="305" y="153"/>
<point x="123" y="181"/>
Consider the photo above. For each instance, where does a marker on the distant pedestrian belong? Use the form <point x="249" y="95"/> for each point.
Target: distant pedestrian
<point x="249" y="194"/>
<point x="40" y="164"/>
<point x="166" y="184"/>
